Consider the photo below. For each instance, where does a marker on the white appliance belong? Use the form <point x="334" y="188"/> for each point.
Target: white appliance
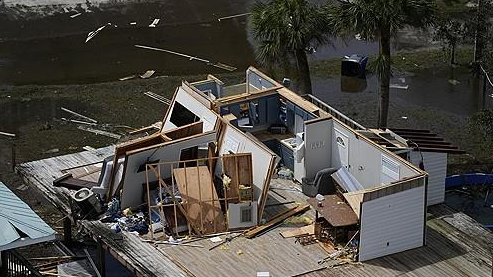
<point x="299" y="157"/>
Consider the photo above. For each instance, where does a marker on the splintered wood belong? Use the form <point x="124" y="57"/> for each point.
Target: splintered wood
<point x="203" y="207"/>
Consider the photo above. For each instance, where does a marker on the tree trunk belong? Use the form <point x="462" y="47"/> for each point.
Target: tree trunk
<point x="480" y="34"/>
<point x="384" y="49"/>
<point x="452" y="54"/>
<point x="304" y="72"/>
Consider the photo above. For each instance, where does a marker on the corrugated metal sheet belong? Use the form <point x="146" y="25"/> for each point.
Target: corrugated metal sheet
<point x="436" y="166"/>
<point x="392" y="224"/>
<point x="18" y="220"/>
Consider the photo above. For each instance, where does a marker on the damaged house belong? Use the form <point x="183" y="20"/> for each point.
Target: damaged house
<point x="209" y="168"/>
<point x="243" y="159"/>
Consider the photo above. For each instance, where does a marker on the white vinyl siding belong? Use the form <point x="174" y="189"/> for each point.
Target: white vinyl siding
<point x="392" y="223"/>
<point x="436" y="167"/>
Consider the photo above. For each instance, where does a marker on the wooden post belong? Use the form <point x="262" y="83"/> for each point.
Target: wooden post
<point x="4" y="269"/>
<point x="13" y="154"/>
<point x="101" y="259"/>
<point x="67" y="231"/>
<point x="12" y="139"/>
<point x="149" y="203"/>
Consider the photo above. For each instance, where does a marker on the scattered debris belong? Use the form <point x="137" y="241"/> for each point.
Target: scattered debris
<point x="148" y="74"/>
<point x="239" y="252"/>
<point x="299" y="220"/>
<point x="305" y="230"/>
<point x="22" y="187"/>
<point x="180" y="244"/>
<point x="398" y="86"/>
<point x="133" y="23"/>
<point x="92" y="34"/>
<point x="128" y="78"/>
<point x="75" y="15"/>
<point x="233" y="16"/>
<point x="79" y="121"/>
<point x="263" y="274"/>
<point x="7" y="134"/>
<point x="215" y="64"/>
<point x="358" y="37"/>
<point x="52" y="151"/>
<point x="216" y="239"/>
<point x="79" y="115"/>
<point x="100" y="132"/>
<point x="158" y="97"/>
<point x="404" y="117"/>
<point x="453" y="82"/>
<point x="228" y="239"/>
<point x="276" y="220"/>
<point x="285" y="173"/>
<point x="89" y="148"/>
<point x="154" y="23"/>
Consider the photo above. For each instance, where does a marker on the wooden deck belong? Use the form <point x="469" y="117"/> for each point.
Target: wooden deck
<point x="456" y="244"/>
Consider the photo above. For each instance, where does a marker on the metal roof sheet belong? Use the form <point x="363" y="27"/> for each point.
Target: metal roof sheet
<point x="19" y="224"/>
<point x="346" y="180"/>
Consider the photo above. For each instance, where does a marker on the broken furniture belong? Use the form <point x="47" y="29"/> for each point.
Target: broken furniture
<point x="321" y="184"/>
<point x="337" y="219"/>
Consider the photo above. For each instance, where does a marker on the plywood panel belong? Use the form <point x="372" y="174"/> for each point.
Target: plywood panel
<point x="197" y="190"/>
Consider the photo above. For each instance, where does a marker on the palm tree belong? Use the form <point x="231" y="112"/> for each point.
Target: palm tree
<point x="379" y="20"/>
<point x="285" y="29"/>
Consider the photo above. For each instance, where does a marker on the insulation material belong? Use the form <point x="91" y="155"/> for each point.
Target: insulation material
<point x="186" y="99"/>
<point x="235" y="141"/>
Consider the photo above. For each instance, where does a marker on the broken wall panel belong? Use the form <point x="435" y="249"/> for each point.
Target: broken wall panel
<point x="133" y="180"/>
<point x="188" y="101"/>
<point x="393" y="223"/>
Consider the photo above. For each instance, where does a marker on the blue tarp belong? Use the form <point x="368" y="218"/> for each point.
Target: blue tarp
<point x="469" y="179"/>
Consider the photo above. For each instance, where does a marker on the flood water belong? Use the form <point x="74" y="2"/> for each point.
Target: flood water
<point x="449" y="89"/>
<point x="45" y="45"/>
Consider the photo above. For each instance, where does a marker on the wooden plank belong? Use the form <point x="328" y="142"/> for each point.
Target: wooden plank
<point x="276" y="220"/>
<point x="305" y="230"/>
<point x="185" y="131"/>
<point x="199" y="198"/>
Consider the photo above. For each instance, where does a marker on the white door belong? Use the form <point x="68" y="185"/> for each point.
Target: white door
<point x="341" y="148"/>
<point x="390" y="170"/>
